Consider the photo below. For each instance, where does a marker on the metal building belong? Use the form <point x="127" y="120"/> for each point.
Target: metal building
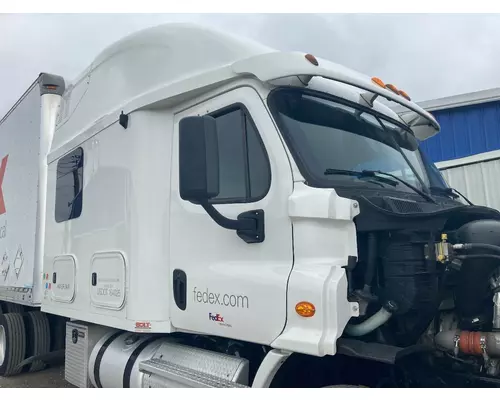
<point x="467" y="149"/>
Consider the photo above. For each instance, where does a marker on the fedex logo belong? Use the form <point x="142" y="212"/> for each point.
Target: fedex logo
<point x="3" y="167"/>
<point x="215" y="317"/>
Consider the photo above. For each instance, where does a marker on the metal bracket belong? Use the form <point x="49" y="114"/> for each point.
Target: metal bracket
<point x="367" y="98"/>
<point x="123" y="120"/>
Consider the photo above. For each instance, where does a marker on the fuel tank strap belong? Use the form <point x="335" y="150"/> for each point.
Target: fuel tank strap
<point x="133" y="357"/>
<point x="100" y="355"/>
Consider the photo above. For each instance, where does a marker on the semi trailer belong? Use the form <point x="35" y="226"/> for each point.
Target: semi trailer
<point x="199" y="210"/>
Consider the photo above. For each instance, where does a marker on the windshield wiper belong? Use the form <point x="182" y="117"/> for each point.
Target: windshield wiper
<point x="373" y="174"/>
<point x="415" y="189"/>
<point x="453" y="193"/>
<point x="361" y="174"/>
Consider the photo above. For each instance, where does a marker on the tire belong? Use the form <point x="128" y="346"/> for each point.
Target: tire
<point x="38" y="338"/>
<point x="13" y="308"/>
<point x="12" y="343"/>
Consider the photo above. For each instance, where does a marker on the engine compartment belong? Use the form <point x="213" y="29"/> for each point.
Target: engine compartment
<point x="428" y="281"/>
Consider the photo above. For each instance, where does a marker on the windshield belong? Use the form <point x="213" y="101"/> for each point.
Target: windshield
<point x="325" y="135"/>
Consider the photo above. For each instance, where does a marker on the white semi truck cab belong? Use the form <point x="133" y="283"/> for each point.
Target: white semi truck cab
<point x="197" y="210"/>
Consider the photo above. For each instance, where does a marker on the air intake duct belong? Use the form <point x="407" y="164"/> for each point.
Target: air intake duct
<point x="409" y="280"/>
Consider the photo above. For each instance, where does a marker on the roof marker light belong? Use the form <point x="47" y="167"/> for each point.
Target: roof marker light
<point x="392" y="88"/>
<point x="312" y="59"/>
<point x="379" y="82"/>
<point x="405" y="95"/>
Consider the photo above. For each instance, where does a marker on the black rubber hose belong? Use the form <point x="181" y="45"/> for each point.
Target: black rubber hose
<point x="480" y="246"/>
<point x="473" y="256"/>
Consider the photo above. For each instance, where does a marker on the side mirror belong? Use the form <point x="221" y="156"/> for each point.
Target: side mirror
<point x="199" y="177"/>
<point x="198" y="159"/>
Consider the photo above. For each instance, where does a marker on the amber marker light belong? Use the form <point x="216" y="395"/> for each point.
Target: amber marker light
<point x="405" y="95"/>
<point x="379" y="82"/>
<point x="305" y="309"/>
<point x="392" y="88"/>
<point x="312" y="59"/>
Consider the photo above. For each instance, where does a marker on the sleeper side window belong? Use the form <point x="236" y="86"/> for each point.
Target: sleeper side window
<point x="244" y="170"/>
<point x="69" y="185"/>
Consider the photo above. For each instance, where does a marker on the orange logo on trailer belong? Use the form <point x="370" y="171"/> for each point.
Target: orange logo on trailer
<point x="3" y="166"/>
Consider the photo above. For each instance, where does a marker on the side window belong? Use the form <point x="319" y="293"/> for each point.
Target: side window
<point x="69" y="186"/>
<point x="245" y="174"/>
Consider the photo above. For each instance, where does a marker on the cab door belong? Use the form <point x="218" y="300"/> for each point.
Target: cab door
<point x="221" y="284"/>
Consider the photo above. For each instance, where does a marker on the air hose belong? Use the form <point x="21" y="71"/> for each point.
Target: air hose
<point x="376" y="320"/>
<point x="477" y="246"/>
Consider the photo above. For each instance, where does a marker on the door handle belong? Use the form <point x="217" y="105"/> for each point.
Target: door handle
<point x="180" y="288"/>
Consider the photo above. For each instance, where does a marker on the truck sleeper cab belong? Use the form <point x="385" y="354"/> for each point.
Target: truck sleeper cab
<point x="218" y="214"/>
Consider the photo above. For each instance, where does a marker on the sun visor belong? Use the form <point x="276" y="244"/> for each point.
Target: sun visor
<point x="278" y="65"/>
<point x="420" y="126"/>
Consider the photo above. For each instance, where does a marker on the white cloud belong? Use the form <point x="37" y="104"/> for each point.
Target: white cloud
<point x="428" y="55"/>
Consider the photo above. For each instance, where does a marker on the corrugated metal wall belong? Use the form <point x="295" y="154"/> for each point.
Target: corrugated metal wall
<point x="465" y="131"/>
<point x="480" y="182"/>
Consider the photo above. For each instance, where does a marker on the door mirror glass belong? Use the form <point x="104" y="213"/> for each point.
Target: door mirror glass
<point x="198" y="159"/>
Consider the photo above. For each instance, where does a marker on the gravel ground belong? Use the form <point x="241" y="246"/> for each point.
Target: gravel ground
<point x="50" y="378"/>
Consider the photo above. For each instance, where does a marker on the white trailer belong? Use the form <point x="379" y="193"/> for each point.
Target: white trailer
<point x="25" y="136"/>
<point x="202" y="211"/>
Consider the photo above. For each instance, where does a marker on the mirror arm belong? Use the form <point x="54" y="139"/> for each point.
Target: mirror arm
<point x="227" y="223"/>
<point x="249" y="226"/>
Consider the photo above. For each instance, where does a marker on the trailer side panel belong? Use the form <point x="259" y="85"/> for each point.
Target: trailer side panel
<point x="19" y="161"/>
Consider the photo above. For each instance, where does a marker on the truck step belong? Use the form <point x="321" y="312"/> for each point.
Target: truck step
<point x="159" y="373"/>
